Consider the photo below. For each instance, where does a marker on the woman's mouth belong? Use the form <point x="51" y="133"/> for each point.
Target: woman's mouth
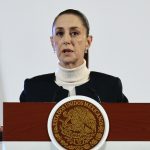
<point x="67" y="51"/>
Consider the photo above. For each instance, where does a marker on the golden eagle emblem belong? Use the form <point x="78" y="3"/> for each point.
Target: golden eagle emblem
<point x="78" y="125"/>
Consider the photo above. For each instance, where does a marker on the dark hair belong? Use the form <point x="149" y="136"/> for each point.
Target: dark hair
<point x="83" y="19"/>
<point x="76" y="13"/>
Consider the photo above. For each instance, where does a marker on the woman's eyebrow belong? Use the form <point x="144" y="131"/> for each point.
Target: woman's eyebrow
<point x="74" y="27"/>
<point x="71" y="28"/>
<point x="59" y="28"/>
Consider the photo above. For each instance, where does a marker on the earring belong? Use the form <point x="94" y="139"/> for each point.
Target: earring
<point x="86" y="50"/>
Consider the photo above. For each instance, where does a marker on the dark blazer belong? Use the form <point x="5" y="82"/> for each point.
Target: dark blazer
<point x="101" y="87"/>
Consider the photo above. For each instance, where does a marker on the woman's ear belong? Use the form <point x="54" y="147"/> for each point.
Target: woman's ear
<point x="89" y="41"/>
<point x="52" y="41"/>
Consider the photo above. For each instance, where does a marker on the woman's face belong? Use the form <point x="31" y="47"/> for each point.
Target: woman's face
<point x="70" y="40"/>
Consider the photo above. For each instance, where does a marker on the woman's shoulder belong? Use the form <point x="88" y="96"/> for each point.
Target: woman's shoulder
<point x="103" y="79"/>
<point x="100" y="75"/>
<point x="41" y="78"/>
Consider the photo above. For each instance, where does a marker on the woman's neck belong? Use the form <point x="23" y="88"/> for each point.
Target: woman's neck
<point x="77" y="75"/>
<point x="71" y="65"/>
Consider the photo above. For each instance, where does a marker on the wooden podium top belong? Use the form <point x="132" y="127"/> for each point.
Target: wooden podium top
<point x="28" y="121"/>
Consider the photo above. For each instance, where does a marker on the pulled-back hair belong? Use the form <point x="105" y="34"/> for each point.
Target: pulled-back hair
<point x="82" y="17"/>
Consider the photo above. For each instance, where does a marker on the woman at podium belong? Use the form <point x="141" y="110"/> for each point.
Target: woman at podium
<point x="71" y="41"/>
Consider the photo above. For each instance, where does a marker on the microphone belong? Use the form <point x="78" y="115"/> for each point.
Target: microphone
<point x="95" y="94"/>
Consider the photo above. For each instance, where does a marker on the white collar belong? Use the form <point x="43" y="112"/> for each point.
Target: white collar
<point x="77" y="76"/>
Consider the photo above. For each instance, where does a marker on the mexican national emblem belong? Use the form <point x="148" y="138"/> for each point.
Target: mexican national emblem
<point x="78" y="125"/>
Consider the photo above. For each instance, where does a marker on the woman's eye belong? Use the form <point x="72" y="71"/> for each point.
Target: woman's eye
<point x="74" y="33"/>
<point x="60" y="33"/>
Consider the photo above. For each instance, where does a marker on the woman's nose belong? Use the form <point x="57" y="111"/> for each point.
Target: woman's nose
<point x="66" y="39"/>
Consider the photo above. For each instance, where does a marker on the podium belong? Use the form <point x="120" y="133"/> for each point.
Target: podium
<point x="28" y="121"/>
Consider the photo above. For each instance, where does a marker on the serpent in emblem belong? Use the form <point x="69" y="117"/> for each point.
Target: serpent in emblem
<point x="78" y="125"/>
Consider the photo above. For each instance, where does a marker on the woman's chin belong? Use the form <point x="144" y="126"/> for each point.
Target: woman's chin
<point x="69" y="60"/>
<point x="68" y="64"/>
